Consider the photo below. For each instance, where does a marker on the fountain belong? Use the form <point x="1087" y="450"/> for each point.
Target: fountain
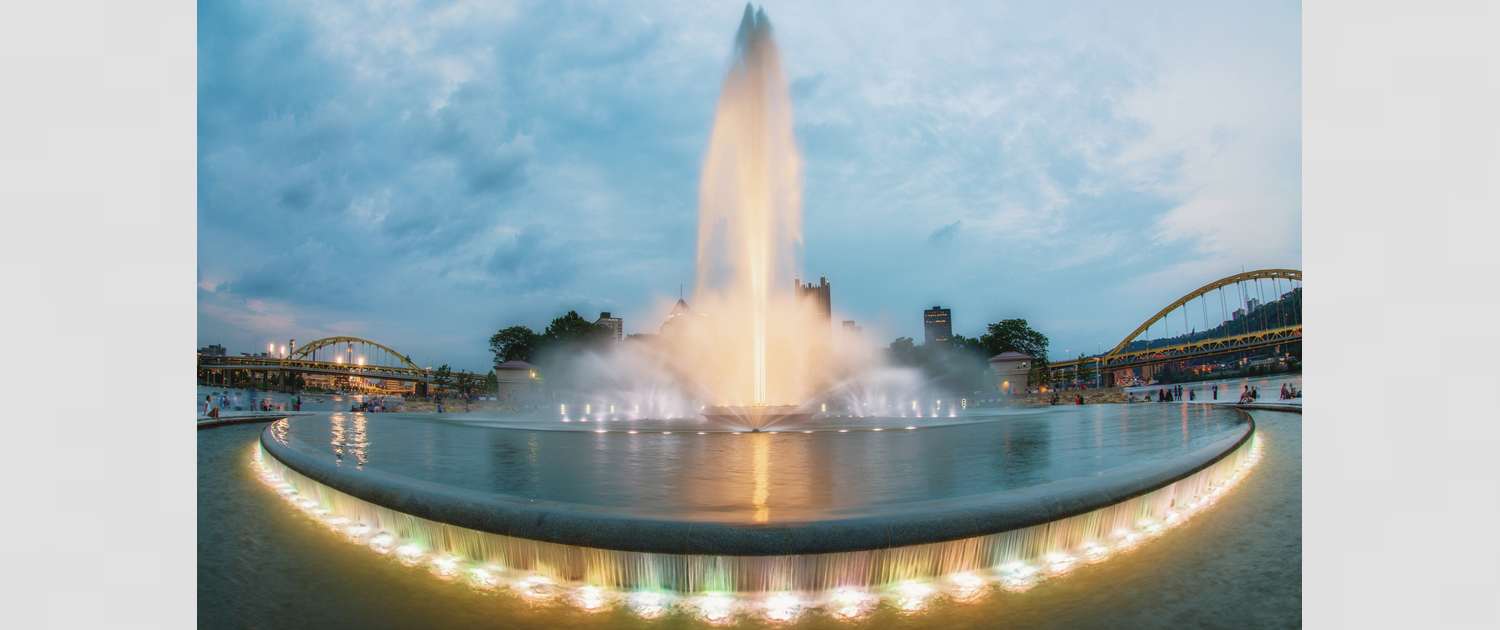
<point x="750" y="220"/>
<point x="781" y="513"/>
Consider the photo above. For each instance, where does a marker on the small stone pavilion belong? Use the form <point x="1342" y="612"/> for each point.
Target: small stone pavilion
<point x="519" y="381"/>
<point x="1010" y="371"/>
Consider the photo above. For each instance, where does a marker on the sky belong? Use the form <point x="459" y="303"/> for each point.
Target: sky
<point x="422" y="174"/>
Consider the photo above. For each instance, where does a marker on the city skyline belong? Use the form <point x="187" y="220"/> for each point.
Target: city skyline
<point x="426" y="184"/>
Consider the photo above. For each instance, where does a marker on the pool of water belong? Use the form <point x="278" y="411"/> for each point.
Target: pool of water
<point x="1235" y="565"/>
<point x="691" y="469"/>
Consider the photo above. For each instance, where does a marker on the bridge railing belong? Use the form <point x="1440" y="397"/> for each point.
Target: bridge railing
<point x="299" y="365"/>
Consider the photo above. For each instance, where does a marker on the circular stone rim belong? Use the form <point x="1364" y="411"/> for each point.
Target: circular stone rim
<point x="603" y="528"/>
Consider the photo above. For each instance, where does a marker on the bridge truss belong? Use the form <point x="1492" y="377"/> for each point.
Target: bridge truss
<point x="1250" y="289"/>
<point x="339" y="356"/>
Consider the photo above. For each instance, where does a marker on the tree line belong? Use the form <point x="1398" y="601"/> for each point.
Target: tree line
<point x="961" y="364"/>
<point x="958" y="365"/>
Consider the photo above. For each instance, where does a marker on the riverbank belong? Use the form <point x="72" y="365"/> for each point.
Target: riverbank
<point x="1101" y="396"/>
<point x="452" y="405"/>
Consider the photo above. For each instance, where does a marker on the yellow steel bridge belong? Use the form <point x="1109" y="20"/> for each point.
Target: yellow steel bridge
<point x="337" y="356"/>
<point x="1128" y="354"/>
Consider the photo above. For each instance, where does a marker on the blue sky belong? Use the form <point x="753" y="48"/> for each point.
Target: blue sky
<point x="422" y="174"/>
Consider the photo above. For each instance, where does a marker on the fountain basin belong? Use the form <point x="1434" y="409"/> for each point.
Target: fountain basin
<point x="686" y="546"/>
<point x="758" y="417"/>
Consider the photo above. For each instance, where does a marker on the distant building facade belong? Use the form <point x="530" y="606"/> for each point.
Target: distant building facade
<point x="616" y="325"/>
<point x="519" y="382"/>
<point x="816" y="300"/>
<point x="393" y="385"/>
<point x="937" y="324"/>
<point x="854" y="340"/>
<point x="677" y="320"/>
<point x="214" y="350"/>
<point x="1010" y="370"/>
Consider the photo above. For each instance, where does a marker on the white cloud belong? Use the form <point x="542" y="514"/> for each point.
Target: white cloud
<point x="1081" y="148"/>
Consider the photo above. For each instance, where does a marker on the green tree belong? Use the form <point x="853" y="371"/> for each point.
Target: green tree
<point x="573" y="328"/>
<point x="491" y="383"/>
<point x="1014" y="335"/>
<point x="970" y="345"/>
<point x="1086" y="370"/>
<point x="443" y="377"/>
<point x="903" y="352"/>
<point x="517" y="343"/>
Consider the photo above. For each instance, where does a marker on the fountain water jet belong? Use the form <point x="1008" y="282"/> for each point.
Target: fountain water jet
<point x="749" y="225"/>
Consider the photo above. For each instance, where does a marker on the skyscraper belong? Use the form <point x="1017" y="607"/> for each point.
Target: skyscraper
<point x="818" y="299"/>
<point x="937" y="324"/>
<point x="616" y="325"/>
<point x="677" y="319"/>
<point x="854" y="340"/>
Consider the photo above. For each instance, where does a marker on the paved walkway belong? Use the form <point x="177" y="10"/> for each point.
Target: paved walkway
<point x="241" y="417"/>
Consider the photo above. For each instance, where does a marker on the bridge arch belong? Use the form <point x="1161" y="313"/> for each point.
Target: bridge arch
<point x="1262" y="274"/>
<point x="304" y="351"/>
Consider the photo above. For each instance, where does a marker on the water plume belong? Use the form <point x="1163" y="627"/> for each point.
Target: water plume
<point x="749" y="226"/>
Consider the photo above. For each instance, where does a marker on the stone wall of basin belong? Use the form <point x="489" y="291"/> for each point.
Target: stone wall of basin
<point x="602" y="528"/>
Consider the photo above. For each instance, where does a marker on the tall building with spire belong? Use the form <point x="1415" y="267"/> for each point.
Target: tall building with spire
<point x="677" y="320"/>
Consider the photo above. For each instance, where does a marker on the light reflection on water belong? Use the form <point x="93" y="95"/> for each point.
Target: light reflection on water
<point x="904" y="577"/>
<point x="845" y="466"/>
<point x="1238" y="561"/>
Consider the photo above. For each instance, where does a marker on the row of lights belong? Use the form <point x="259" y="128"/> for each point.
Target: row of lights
<point x="633" y="432"/>
<point x="720" y="607"/>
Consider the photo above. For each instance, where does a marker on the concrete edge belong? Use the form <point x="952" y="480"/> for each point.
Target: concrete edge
<point x="600" y="528"/>
<point x="224" y="422"/>
<point x="1297" y="409"/>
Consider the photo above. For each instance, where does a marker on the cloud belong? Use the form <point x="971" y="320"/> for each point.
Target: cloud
<point x="432" y="173"/>
<point x="944" y="235"/>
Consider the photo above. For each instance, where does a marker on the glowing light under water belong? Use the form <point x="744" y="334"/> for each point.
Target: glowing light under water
<point x="650" y="584"/>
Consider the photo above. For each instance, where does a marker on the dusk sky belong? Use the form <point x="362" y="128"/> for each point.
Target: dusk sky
<point x="423" y="174"/>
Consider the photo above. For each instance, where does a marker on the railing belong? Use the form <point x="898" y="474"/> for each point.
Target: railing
<point x="1183" y="352"/>
<point x="324" y="367"/>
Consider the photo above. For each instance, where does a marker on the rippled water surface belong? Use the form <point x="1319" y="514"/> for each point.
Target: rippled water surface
<point x="1238" y="564"/>
<point x="690" y="468"/>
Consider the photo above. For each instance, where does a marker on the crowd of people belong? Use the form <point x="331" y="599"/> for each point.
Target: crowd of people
<point x="1077" y="399"/>
<point x="214" y="402"/>
<point x="373" y="405"/>
<point x="1178" y="393"/>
